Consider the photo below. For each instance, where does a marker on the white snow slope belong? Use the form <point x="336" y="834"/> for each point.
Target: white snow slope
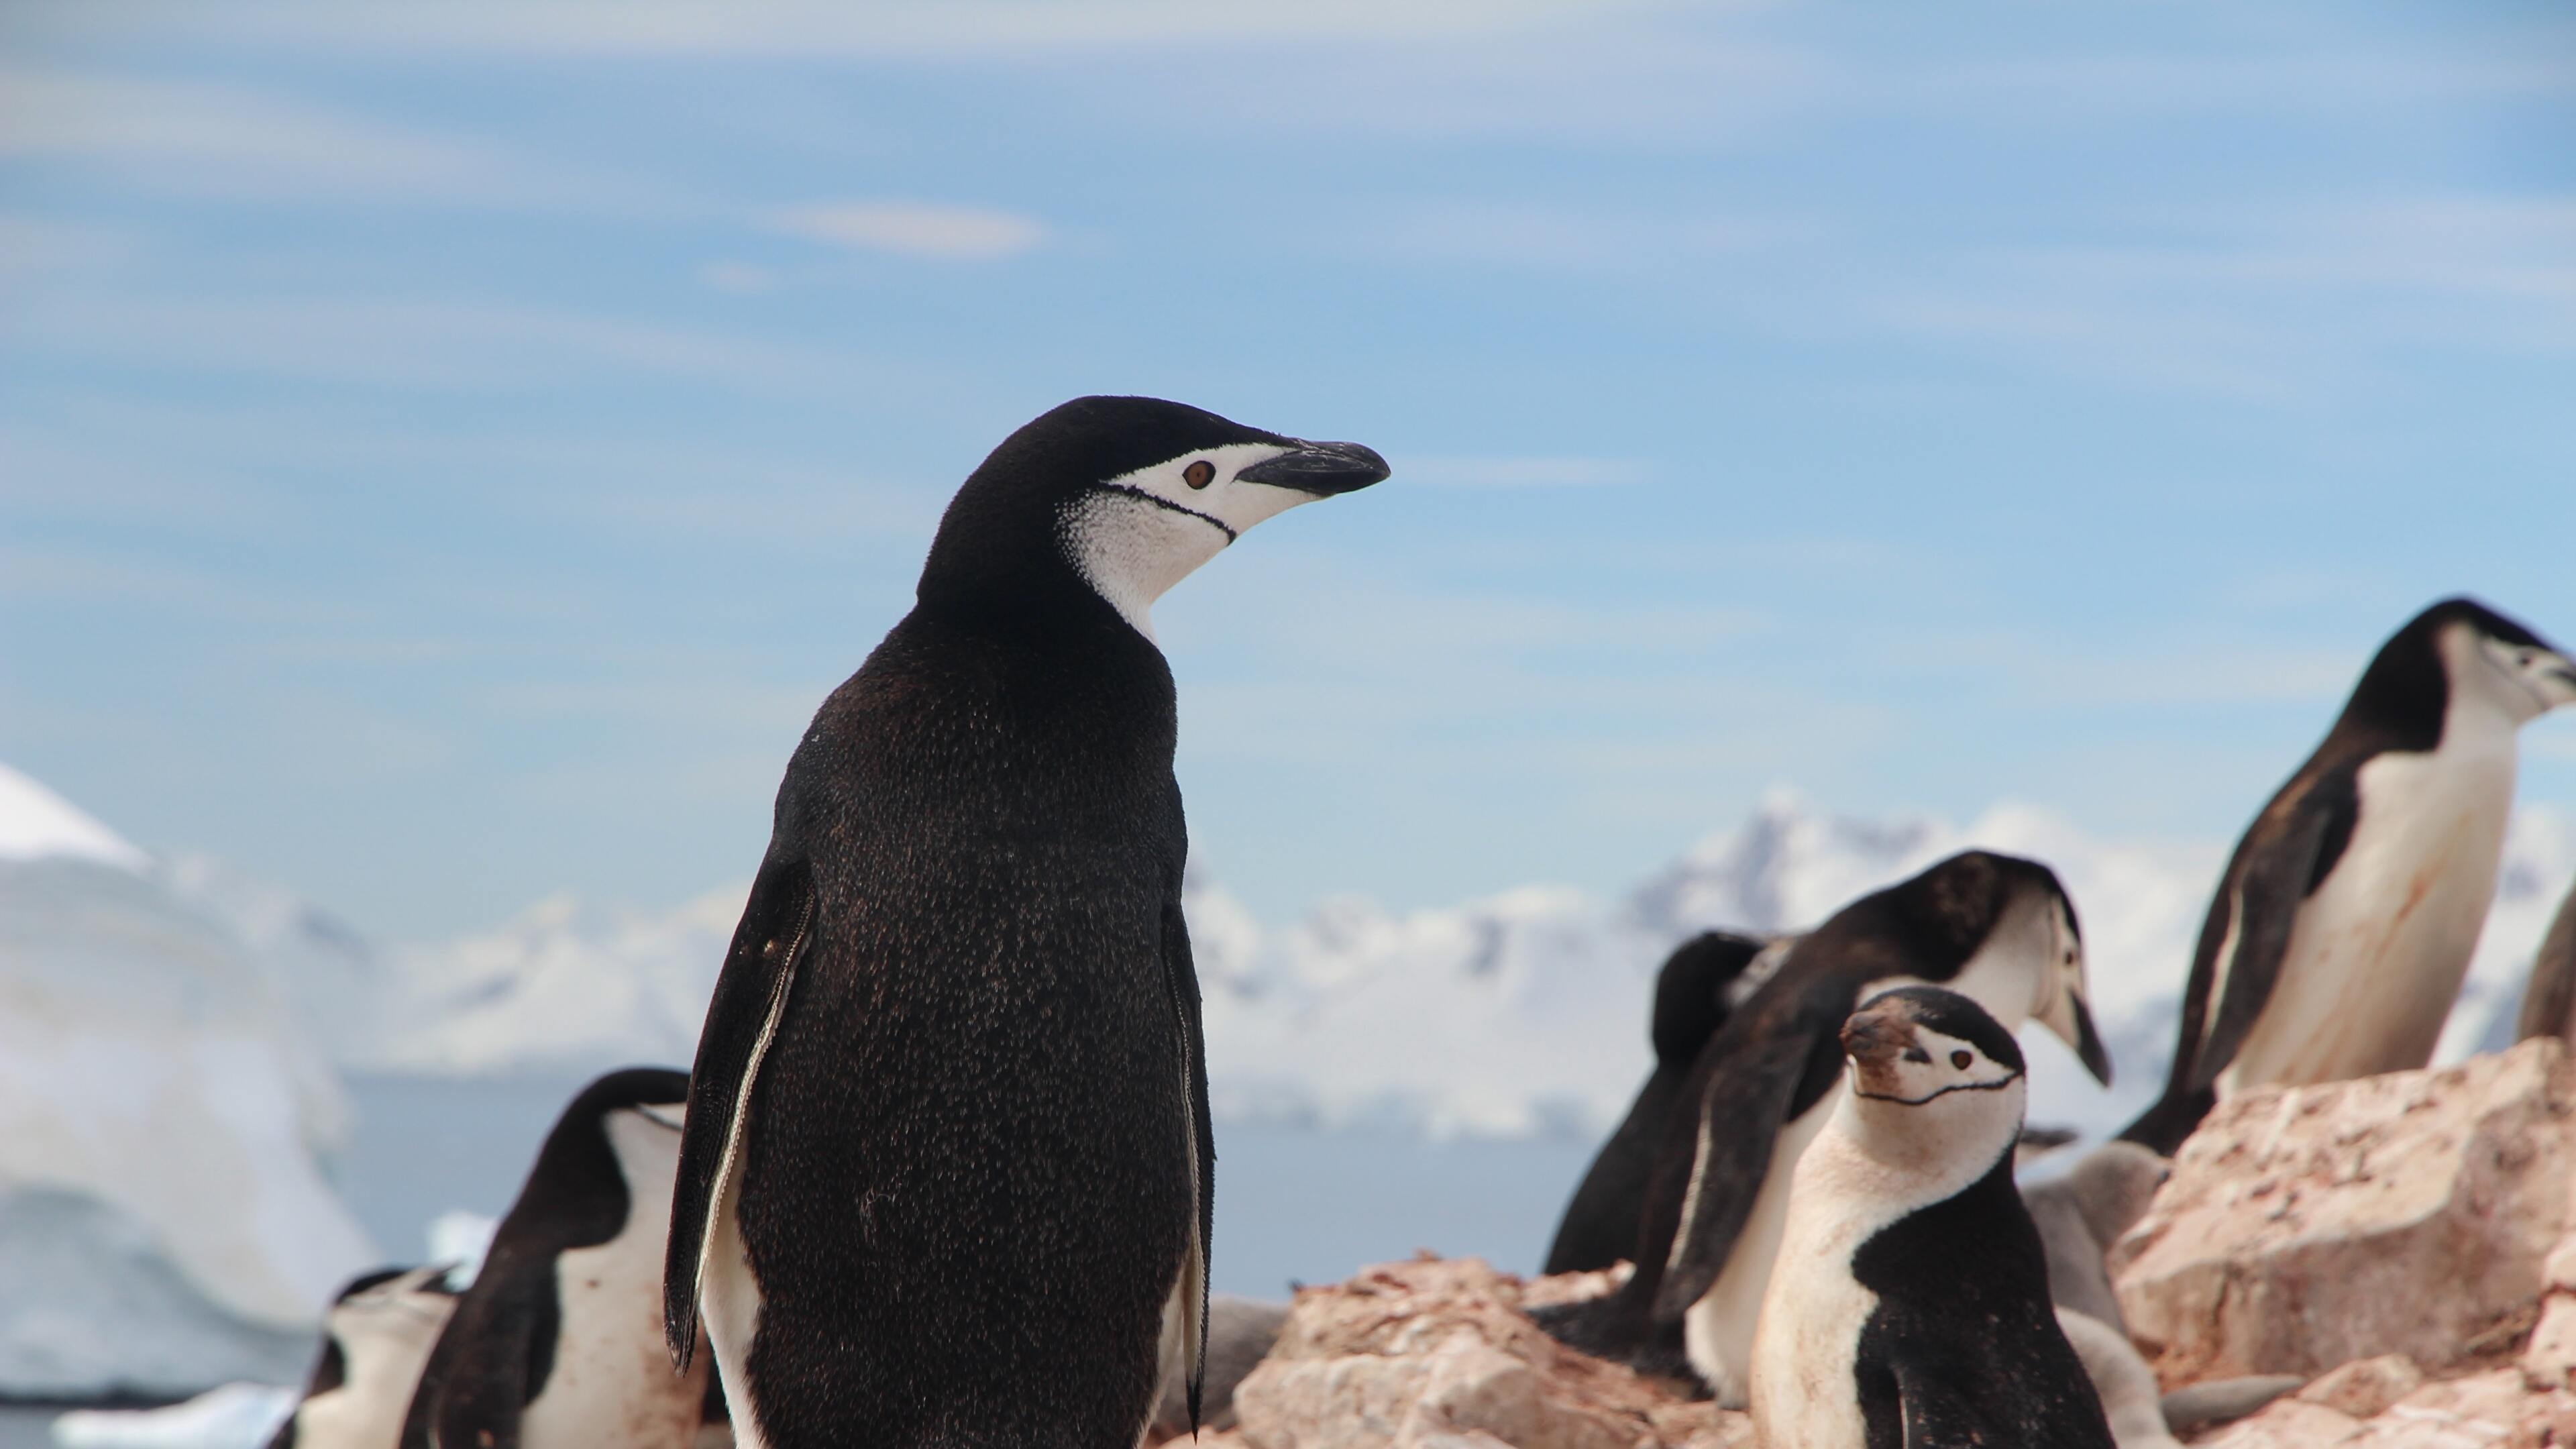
<point x="1518" y="1013"/>
<point x="164" y="1218"/>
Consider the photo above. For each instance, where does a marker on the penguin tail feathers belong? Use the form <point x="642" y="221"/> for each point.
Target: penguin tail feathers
<point x="2163" y="1127"/>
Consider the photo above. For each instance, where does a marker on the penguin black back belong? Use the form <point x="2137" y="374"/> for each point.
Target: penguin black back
<point x="1600" y="1223"/>
<point x="498" y="1354"/>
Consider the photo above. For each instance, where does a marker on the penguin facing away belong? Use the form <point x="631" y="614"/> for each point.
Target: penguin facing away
<point x="1910" y="1309"/>
<point x="556" y="1342"/>
<point x="1600" y="1223"/>
<point x="2549" y="997"/>
<point x="2345" y="921"/>
<point x="1997" y="928"/>
<point x="947" y="1172"/>
<point x="375" y="1339"/>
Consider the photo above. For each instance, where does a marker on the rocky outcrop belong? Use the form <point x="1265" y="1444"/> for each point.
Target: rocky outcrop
<point x="1439" y="1353"/>
<point x="2308" y="1228"/>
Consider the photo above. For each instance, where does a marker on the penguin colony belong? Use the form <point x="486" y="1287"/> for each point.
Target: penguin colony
<point x="942" y="1173"/>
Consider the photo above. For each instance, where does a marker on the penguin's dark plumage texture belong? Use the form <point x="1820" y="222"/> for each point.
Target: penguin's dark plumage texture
<point x="1911" y="1309"/>
<point x="1996" y="927"/>
<point x="947" y="1173"/>
<point x="553" y="1344"/>
<point x="2345" y="920"/>
<point x="1600" y="1223"/>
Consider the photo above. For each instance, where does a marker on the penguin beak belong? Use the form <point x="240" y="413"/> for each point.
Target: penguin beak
<point x="1322" y="469"/>
<point x="2072" y="1020"/>
<point x="1877" y="1036"/>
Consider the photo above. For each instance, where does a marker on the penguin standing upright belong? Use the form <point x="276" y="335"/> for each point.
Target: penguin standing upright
<point x="1910" y="1309"/>
<point x="1997" y="928"/>
<point x="946" y="1178"/>
<point x="556" y="1345"/>
<point x="375" y="1339"/>
<point x="2345" y="920"/>
<point x="1600" y="1223"/>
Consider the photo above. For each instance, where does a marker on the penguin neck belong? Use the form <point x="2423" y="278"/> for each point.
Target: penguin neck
<point x="1926" y="1152"/>
<point x="2008" y="974"/>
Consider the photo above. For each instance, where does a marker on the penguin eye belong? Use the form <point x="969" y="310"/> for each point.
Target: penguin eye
<point x="1960" y="1059"/>
<point x="1199" y="474"/>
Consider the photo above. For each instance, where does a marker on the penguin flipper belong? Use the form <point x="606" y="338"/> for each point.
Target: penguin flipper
<point x="2285" y="857"/>
<point x="749" y="1003"/>
<point x="1182" y="976"/>
<point x="1753" y="1093"/>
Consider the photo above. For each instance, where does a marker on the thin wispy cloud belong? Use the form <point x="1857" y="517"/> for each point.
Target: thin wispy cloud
<point x="932" y="230"/>
<point x="808" y="28"/>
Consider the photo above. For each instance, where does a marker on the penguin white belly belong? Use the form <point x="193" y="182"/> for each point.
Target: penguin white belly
<point x="729" y="1306"/>
<point x="1718" y="1330"/>
<point x="2377" y="955"/>
<point x="1802" y="1369"/>
<point x="612" y="1386"/>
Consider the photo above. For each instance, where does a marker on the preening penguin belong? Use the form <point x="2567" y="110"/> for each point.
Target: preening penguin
<point x="947" y="1172"/>
<point x="1600" y="1223"/>
<point x="555" y="1344"/>
<point x="375" y="1339"/>
<point x="2346" y="918"/>
<point x="1997" y="928"/>
<point x="1910" y="1309"/>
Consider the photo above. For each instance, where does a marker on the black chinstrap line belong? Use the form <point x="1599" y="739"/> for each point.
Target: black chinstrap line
<point x="1945" y="1091"/>
<point x="1132" y="491"/>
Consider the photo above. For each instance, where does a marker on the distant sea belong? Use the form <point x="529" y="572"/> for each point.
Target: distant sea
<point x="1295" y="1204"/>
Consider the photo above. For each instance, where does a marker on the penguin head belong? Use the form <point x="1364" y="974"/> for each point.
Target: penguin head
<point x="1934" y="1077"/>
<point x="2002" y="930"/>
<point x="1693" y="992"/>
<point x="1121" y="497"/>
<point x="2459" y="655"/>
<point x="2499" y="660"/>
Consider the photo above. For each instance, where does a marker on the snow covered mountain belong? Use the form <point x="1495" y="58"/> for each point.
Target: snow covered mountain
<point x="1513" y="1014"/>
<point x="165" y="1220"/>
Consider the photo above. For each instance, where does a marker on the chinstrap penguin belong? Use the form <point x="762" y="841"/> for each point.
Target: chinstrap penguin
<point x="947" y="1172"/>
<point x="556" y="1345"/>
<point x="375" y="1339"/>
<point x="1998" y="928"/>
<point x="1600" y="1223"/>
<point x="2345" y="921"/>
<point x="1910" y="1307"/>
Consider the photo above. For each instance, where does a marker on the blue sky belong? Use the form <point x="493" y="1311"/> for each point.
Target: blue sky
<point x="447" y="451"/>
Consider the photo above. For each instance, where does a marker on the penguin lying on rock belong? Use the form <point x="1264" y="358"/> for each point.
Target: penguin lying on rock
<point x="1910" y="1306"/>
<point x="2346" y="918"/>
<point x="1691" y="1003"/>
<point x="557" y="1344"/>
<point x="947" y="1177"/>
<point x="1998" y="928"/>
<point x="375" y="1339"/>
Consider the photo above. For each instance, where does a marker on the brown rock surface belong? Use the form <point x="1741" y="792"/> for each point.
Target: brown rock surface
<point x="2305" y="1228"/>
<point x="2496" y="1407"/>
<point x="1437" y="1354"/>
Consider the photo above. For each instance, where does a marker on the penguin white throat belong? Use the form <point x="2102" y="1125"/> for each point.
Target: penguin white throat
<point x="1935" y="1112"/>
<point x="1134" y="536"/>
